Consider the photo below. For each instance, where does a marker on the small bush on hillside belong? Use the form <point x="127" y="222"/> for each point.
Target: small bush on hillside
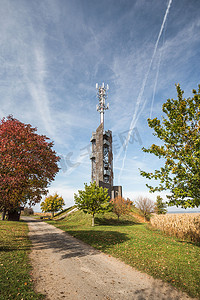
<point x="120" y="206"/>
<point x="145" y="206"/>
<point x="160" y="206"/>
<point x="28" y="211"/>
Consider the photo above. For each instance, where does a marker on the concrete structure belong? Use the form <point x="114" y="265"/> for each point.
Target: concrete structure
<point x="102" y="156"/>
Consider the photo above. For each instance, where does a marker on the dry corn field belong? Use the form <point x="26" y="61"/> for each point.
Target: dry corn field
<point x="183" y="226"/>
<point x="42" y="214"/>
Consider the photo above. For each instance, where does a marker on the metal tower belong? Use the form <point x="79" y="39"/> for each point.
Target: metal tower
<point x="102" y="156"/>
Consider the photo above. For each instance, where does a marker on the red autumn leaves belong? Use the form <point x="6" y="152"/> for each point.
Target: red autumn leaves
<point x="27" y="163"/>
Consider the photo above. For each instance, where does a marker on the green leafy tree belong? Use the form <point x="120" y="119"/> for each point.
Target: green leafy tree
<point x="92" y="200"/>
<point x="52" y="203"/>
<point x="121" y="206"/>
<point x="179" y="131"/>
<point x="160" y="206"/>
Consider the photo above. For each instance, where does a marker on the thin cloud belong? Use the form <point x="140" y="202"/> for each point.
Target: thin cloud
<point x="137" y="112"/>
<point x="37" y="89"/>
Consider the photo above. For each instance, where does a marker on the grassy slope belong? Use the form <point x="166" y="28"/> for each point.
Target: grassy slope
<point x="15" y="280"/>
<point x="164" y="257"/>
<point x="63" y="212"/>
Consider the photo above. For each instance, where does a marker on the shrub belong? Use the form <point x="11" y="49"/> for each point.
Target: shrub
<point x="52" y="203"/>
<point x="160" y="206"/>
<point x="120" y="206"/>
<point x="28" y="211"/>
<point x="145" y="206"/>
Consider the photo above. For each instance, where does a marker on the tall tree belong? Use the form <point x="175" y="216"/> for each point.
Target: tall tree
<point x="52" y="203"/>
<point x="92" y="200"/>
<point x="28" y="164"/>
<point x="179" y="131"/>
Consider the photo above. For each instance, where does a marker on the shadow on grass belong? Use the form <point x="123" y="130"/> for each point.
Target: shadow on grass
<point x="190" y="242"/>
<point x="12" y="248"/>
<point x="25" y="219"/>
<point x="100" y="239"/>
<point x="114" y="222"/>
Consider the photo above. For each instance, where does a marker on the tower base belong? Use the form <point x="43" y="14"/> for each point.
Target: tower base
<point x="113" y="191"/>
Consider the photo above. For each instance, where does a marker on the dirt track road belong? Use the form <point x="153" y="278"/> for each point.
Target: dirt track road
<point x="66" y="268"/>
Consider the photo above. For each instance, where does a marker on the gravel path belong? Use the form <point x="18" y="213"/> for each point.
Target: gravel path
<point x="66" y="268"/>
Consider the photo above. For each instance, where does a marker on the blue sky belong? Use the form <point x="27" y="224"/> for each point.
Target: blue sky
<point x="54" y="51"/>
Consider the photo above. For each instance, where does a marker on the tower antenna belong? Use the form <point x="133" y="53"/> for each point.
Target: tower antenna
<point x="102" y="96"/>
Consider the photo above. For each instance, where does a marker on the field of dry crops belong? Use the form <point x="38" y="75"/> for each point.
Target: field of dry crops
<point x="184" y="226"/>
<point x="42" y="214"/>
<point x="39" y="214"/>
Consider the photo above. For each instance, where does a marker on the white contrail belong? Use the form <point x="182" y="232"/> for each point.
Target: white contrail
<point x="137" y="114"/>
<point x="156" y="79"/>
<point x="155" y="85"/>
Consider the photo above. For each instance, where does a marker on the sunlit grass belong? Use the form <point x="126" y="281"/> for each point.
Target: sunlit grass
<point x="15" y="279"/>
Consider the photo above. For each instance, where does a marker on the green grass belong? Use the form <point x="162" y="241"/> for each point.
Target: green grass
<point x="167" y="258"/>
<point x="15" y="280"/>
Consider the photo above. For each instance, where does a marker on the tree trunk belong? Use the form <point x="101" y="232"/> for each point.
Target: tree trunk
<point x="14" y="215"/>
<point x="92" y="220"/>
<point x="3" y="214"/>
<point x="52" y="214"/>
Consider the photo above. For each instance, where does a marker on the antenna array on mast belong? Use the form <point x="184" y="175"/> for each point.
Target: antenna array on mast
<point x="102" y="96"/>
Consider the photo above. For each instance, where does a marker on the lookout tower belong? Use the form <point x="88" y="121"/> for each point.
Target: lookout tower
<point x="102" y="156"/>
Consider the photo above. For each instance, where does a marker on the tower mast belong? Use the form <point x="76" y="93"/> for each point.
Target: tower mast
<point x="102" y="95"/>
<point x="102" y="156"/>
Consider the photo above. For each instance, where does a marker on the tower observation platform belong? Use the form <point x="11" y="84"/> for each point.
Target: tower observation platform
<point x="102" y="156"/>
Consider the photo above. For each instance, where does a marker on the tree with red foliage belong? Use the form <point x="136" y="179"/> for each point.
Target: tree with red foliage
<point x="28" y="164"/>
<point x="120" y="206"/>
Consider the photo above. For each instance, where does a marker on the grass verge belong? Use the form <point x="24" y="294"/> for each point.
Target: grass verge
<point x="15" y="280"/>
<point x="168" y="258"/>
